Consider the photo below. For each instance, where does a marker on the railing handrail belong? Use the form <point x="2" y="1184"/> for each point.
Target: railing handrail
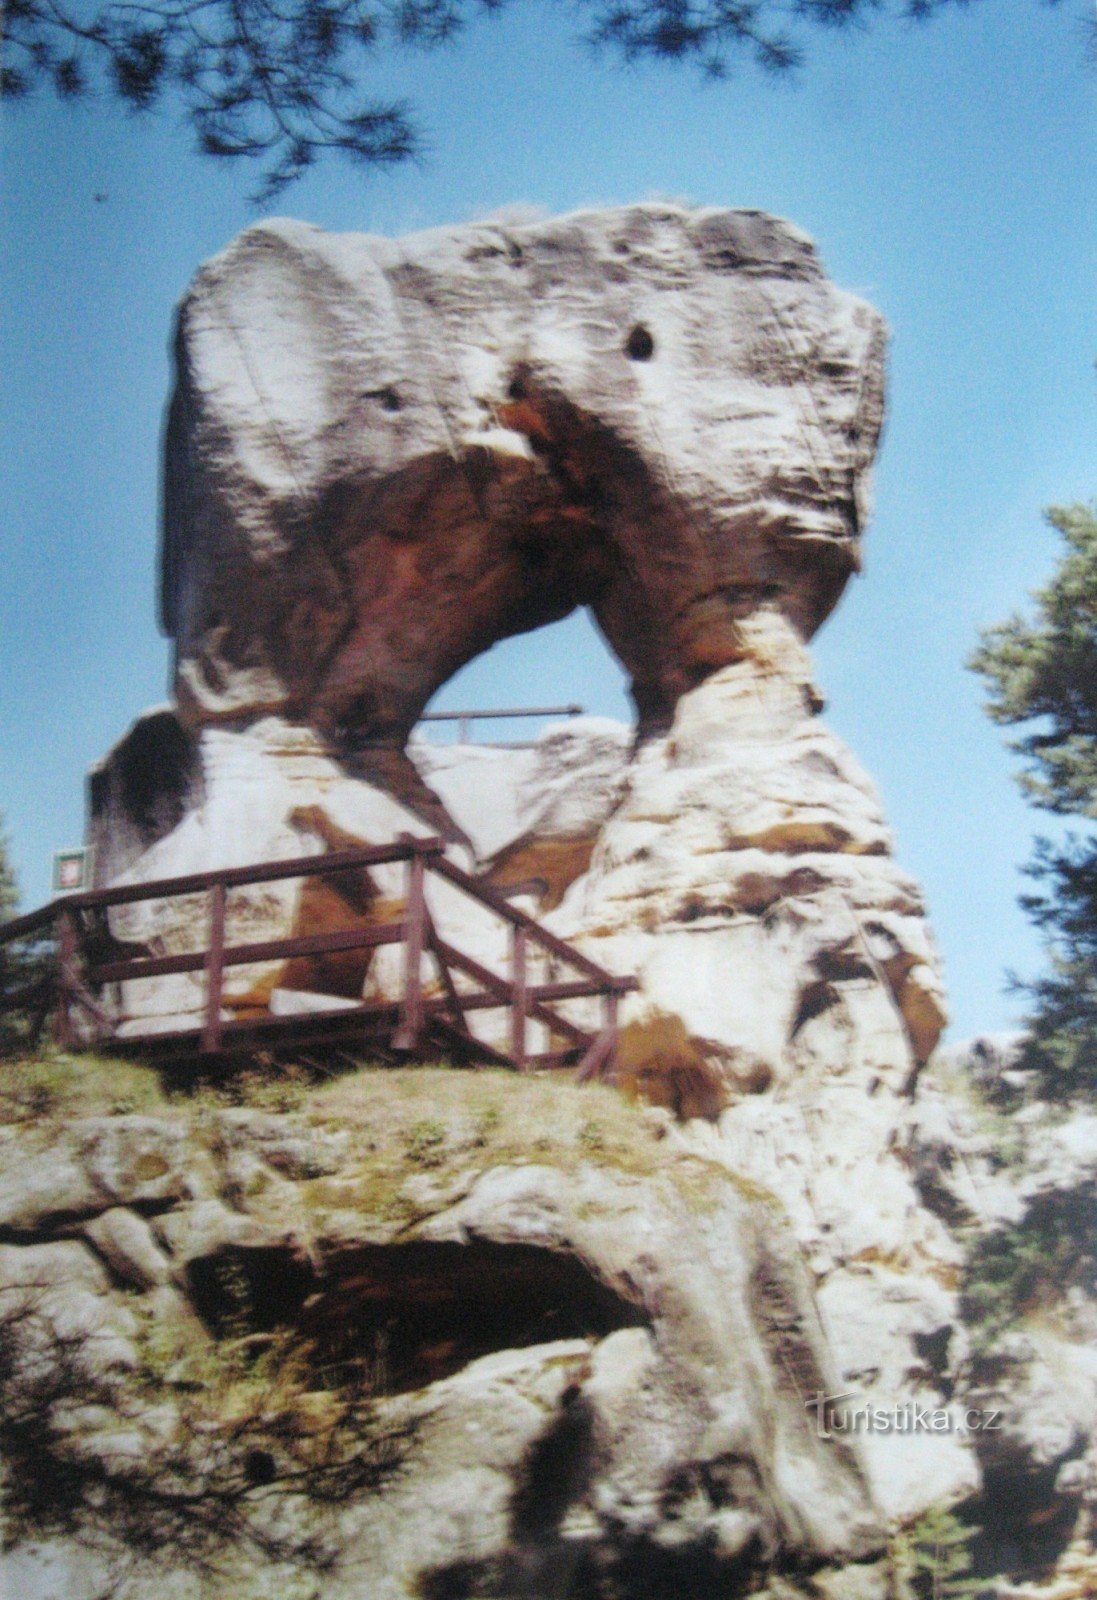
<point x="227" y="877"/>
<point x="430" y="846"/>
<point x="522" y="919"/>
<point x="30" y="921"/>
<point x="494" y="714"/>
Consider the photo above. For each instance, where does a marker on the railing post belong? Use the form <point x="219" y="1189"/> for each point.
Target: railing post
<point x="609" y="1028"/>
<point x="66" y="978"/>
<point x="215" y="969"/>
<point x="518" y="1002"/>
<point x="411" y="1026"/>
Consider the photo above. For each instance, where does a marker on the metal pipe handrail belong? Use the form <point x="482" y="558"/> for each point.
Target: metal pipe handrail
<point x="226" y="877"/>
<point x="489" y="714"/>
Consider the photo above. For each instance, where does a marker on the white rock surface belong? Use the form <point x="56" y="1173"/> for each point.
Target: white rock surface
<point x="272" y="791"/>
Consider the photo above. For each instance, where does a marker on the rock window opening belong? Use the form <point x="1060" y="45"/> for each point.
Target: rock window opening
<point x="639" y="346"/>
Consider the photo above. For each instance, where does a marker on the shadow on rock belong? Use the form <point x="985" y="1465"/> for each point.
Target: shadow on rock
<point x="542" y="1563"/>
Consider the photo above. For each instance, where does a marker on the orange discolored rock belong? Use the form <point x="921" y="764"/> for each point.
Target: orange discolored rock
<point x="385" y="455"/>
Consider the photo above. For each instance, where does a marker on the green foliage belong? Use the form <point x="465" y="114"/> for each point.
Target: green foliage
<point x="1042" y="675"/>
<point x="281" y="81"/>
<point x="43" y="1083"/>
<point x="9" y="887"/>
<point x="25" y="965"/>
<point x="487" y="1124"/>
<point x="933" y="1560"/>
<point x="1021" y="1269"/>
<point x="592" y="1137"/>
<point x="264" y="1083"/>
<point x="1045" y="671"/>
<point x="256" y="1464"/>
<point x="425" y="1141"/>
<point x="48" y="1088"/>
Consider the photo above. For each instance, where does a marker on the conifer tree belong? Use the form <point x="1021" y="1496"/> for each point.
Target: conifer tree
<point x="284" y="81"/>
<point x="1042" y="678"/>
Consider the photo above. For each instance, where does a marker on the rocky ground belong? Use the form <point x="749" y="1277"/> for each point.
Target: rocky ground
<point x="439" y="1333"/>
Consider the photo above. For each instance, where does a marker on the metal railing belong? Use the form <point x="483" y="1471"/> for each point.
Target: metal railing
<point x="464" y="719"/>
<point x="416" y="1021"/>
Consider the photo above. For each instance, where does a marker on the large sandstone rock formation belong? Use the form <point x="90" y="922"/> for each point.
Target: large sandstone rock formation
<point x="385" y="456"/>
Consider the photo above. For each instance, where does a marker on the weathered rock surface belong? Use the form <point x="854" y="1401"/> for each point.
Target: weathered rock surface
<point x="747" y="877"/>
<point x="596" y="1360"/>
<point x="384" y="455"/>
<point x="521" y="1340"/>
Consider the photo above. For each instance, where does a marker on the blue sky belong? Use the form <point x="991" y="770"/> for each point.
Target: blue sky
<point x="947" y="173"/>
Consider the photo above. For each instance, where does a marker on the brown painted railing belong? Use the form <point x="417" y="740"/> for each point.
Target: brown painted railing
<point x="417" y="1022"/>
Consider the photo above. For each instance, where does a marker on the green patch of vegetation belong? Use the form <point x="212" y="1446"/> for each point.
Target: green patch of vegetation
<point x="591" y="1137"/>
<point x="259" y="1082"/>
<point x="425" y="1142"/>
<point x="487" y="1123"/>
<point x="451" y="1124"/>
<point x="1019" y="1270"/>
<point x="486" y="1115"/>
<point x="932" y="1559"/>
<point x="49" y="1087"/>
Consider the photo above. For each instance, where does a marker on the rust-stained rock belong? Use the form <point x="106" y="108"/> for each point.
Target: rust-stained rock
<point x="385" y="455"/>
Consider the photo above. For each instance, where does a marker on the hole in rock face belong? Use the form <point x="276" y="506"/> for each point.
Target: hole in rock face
<point x="390" y="400"/>
<point x="260" y="1467"/>
<point x="241" y="1291"/>
<point x="413" y="1313"/>
<point x="639" y="346"/>
<point x="149" y="776"/>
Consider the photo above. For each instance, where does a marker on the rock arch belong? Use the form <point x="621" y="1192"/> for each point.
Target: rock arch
<point x="384" y="456"/>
